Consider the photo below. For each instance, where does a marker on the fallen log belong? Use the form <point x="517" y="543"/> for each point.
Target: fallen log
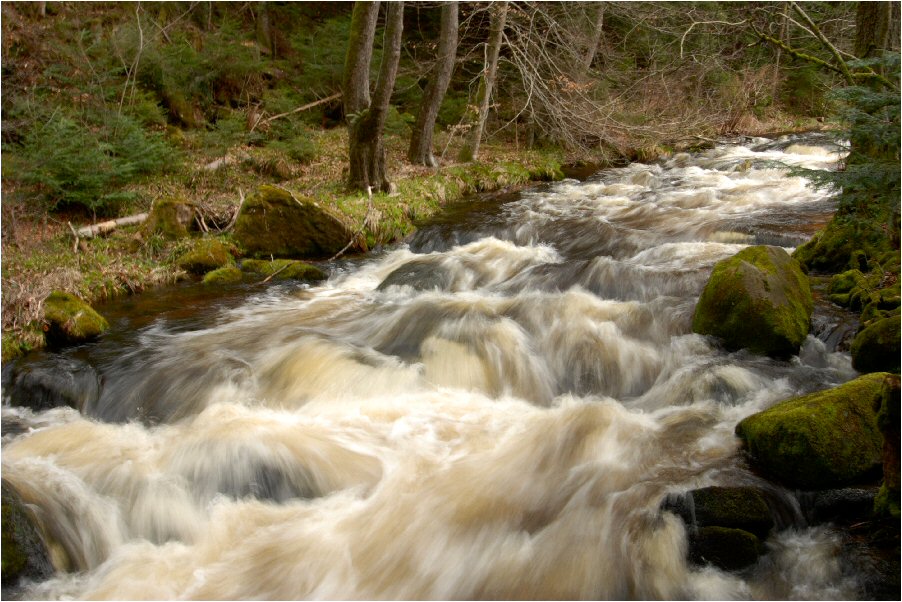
<point x="109" y="226"/>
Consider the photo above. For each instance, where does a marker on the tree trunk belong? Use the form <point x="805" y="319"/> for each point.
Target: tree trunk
<point x="265" y="37"/>
<point x="470" y="150"/>
<point x="873" y="27"/>
<point x="367" y="152"/>
<point x="356" y="82"/>
<point x="592" y="48"/>
<point x="420" y="152"/>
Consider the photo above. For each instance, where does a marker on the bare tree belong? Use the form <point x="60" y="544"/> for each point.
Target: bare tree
<point x="420" y="151"/>
<point x="470" y="150"/>
<point x="367" y="118"/>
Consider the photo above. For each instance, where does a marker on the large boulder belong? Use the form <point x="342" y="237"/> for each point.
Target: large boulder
<point x="877" y="347"/>
<point x="273" y="223"/>
<point x="823" y="440"/>
<point x="68" y="320"/>
<point x="760" y="300"/>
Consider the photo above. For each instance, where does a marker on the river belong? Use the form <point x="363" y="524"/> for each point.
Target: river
<point x="494" y="409"/>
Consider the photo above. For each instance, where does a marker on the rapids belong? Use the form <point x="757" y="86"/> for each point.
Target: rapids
<point x="494" y="409"/>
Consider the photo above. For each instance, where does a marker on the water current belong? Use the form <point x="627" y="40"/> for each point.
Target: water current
<point x="494" y="409"/>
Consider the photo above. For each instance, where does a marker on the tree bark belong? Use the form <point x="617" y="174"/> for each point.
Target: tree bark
<point x="873" y="26"/>
<point x="470" y="150"/>
<point x="356" y="82"/>
<point x="592" y="48"/>
<point x="420" y="152"/>
<point x="367" y="151"/>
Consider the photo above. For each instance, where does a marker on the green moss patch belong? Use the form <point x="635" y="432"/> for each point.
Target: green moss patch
<point x="819" y="441"/>
<point x="283" y="269"/>
<point x="758" y="299"/>
<point x="206" y="255"/>
<point x="225" y="275"/>
<point x="877" y="347"/>
<point x="172" y="217"/>
<point x="68" y="320"/>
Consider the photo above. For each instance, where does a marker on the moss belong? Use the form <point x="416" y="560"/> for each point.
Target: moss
<point x="877" y="347"/>
<point x="12" y="347"/>
<point x="225" y="275"/>
<point x="274" y="223"/>
<point x="206" y="255"/>
<point x="172" y="217"/>
<point x="888" y="415"/>
<point x="758" y="299"/>
<point x="846" y="242"/>
<point x="69" y="320"/>
<point x="818" y="441"/>
<point x="725" y="548"/>
<point x="283" y="269"/>
<point x="734" y="507"/>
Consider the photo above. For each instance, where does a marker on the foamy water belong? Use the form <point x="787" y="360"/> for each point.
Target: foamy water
<point x="496" y="419"/>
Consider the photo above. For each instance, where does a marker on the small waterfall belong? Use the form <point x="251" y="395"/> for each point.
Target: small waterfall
<point x="494" y="410"/>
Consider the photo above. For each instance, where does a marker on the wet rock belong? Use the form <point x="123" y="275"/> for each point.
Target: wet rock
<point x="24" y="553"/>
<point x="877" y="347"/>
<point x="888" y="420"/>
<point x="734" y="507"/>
<point x="226" y="275"/>
<point x="725" y="548"/>
<point x="273" y="223"/>
<point x="206" y="255"/>
<point x="824" y="440"/>
<point x="68" y="320"/>
<point x="421" y="275"/>
<point x="845" y="506"/>
<point x="171" y="217"/>
<point x="760" y="300"/>
<point x="283" y="269"/>
<point x="46" y="381"/>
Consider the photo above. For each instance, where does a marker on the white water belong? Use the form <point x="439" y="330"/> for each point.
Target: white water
<point x="507" y="433"/>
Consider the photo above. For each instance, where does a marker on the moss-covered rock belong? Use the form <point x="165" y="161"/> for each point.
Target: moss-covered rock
<point x="759" y="299"/>
<point x="734" y="507"/>
<point x="226" y="275"/>
<point x="24" y="553"/>
<point x="822" y="440"/>
<point x="283" y="269"/>
<point x="68" y="320"/>
<point x="206" y="255"/>
<point x="877" y="347"/>
<point x="725" y="548"/>
<point x="845" y="243"/>
<point x="273" y="223"/>
<point x="887" y="501"/>
<point x="171" y="217"/>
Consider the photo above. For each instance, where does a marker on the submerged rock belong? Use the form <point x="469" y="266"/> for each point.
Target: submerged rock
<point x="822" y="440"/>
<point x="273" y="223"/>
<point x="760" y="300"/>
<point x="24" y="553"/>
<point x="48" y="381"/>
<point x="877" y="347"/>
<point x="68" y="320"/>
<point x="421" y="275"/>
<point x="283" y="269"/>
<point x="726" y="525"/>
<point x="207" y="254"/>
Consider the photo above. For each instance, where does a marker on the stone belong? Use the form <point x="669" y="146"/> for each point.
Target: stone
<point x="759" y="300"/>
<point x="24" y="553"/>
<point x="225" y="275"/>
<point x="171" y="217"/>
<point x="823" y="440"/>
<point x="68" y="320"/>
<point x="44" y="381"/>
<point x="283" y="269"/>
<point x="206" y="255"/>
<point x="734" y="507"/>
<point x="877" y="347"/>
<point x="725" y="548"/>
<point x="888" y="420"/>
<point x="420" y="275"/>
<point x="273" y="223"/>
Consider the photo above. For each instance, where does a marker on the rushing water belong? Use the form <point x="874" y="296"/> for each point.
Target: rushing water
<point x="495" y="409"/>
